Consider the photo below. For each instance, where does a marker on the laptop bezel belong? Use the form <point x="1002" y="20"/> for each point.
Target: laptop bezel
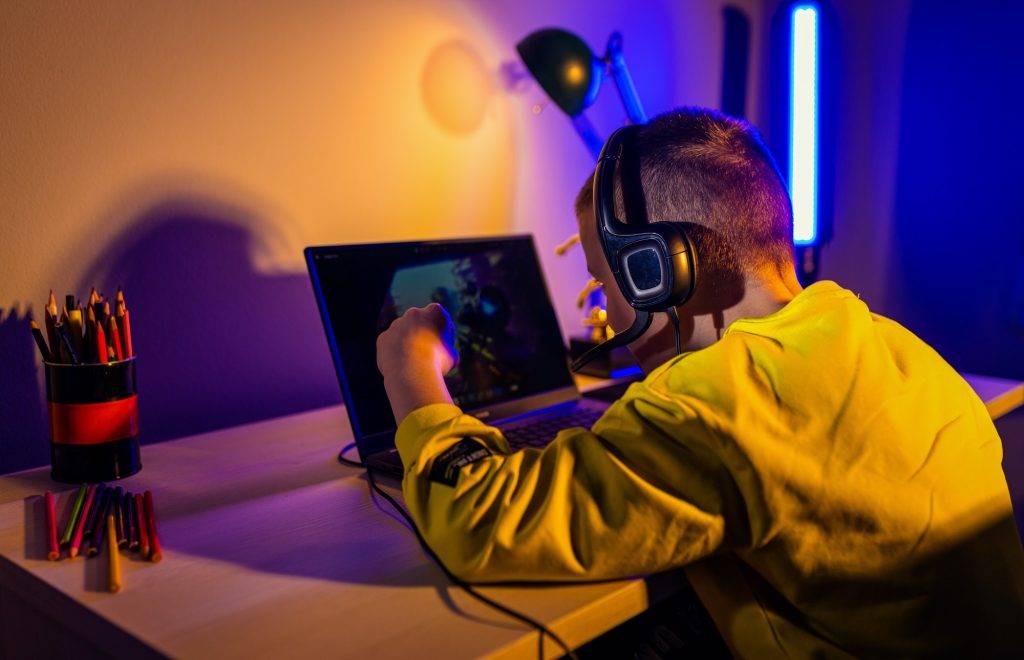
<point x="370" y="444"/>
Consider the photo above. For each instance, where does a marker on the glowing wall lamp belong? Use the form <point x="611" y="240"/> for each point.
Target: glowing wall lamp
<point x="802" y="126"/>
<point x="803" y="123"/>
<point x="571" y="75"/>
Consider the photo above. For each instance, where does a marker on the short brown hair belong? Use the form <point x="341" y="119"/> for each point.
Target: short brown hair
<point x="697" y="165"/>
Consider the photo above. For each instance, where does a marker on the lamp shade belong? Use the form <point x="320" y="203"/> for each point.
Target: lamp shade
<point x="564" y="66"/>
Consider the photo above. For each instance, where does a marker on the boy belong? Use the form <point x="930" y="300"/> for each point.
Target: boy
<point x="840" y="481"/>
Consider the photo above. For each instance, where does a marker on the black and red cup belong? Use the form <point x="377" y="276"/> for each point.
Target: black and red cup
<point x="94" y="421"/>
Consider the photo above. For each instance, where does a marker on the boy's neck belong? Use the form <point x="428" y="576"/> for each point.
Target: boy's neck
<point x="762" y="296"/>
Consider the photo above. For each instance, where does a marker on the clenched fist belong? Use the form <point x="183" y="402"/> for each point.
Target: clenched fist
<point x="413" y="355"/>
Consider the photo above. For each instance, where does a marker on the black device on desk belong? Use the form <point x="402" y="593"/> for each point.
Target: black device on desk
<point x="512" y="369"/>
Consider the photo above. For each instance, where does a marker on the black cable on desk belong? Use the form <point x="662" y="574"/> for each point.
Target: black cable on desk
<point x="457" y="581"/>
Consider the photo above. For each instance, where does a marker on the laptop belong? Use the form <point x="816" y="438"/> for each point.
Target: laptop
<point x="513" y="369"/>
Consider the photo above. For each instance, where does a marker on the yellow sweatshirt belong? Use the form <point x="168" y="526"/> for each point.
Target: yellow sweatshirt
<point x="839" y="481"/>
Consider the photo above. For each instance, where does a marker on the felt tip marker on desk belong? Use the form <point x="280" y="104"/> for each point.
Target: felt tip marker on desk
<point x="98" y="533"/>
<point x="156" y="553"/>
<point x="76" y="510"/>
<point x="140" y="522"/>
<point x="94" y="512"/>
<point x="99" y="536"/>
<point x="113" y="558"/>
<point x="118" y="512"/>
<point x="76" y="538"/>
<point x="131" y="526"/>
<point x="53" y="548"/>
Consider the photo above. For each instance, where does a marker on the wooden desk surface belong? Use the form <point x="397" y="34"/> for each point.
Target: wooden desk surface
<point x="273" y="548"/>
<point x="999" y="394"/>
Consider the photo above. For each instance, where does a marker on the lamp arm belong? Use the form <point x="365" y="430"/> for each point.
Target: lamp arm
<point x="588" y="134"/>
<point x="623" y="81"/>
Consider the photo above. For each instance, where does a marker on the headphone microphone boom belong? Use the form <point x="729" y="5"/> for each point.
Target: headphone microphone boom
<point x="654" y="264"/>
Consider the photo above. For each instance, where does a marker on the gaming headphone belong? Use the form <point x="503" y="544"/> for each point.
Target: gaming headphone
<point x="654" y="264"/>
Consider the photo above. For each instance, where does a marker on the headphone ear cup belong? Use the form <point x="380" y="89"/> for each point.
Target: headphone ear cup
<point x="641" y="269"/>
<point x="659" y="267"/>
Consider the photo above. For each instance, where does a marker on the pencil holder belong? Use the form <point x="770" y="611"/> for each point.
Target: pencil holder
<point x="94" y="421"/>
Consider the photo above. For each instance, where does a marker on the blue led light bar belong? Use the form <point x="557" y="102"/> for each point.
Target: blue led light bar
<point x="803" y="122"/>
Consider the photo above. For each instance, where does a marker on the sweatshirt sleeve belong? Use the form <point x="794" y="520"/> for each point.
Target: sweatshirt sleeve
<point x="643" y="491"/>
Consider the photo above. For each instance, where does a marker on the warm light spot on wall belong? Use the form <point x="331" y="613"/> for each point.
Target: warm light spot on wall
<point x="456" y="87"/>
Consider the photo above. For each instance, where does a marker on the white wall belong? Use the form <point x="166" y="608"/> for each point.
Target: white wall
<point x="189" y="150"/>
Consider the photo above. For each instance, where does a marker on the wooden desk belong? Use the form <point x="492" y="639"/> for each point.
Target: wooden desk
<point x="273" y="548"/>
<point x="1000" y="395"/>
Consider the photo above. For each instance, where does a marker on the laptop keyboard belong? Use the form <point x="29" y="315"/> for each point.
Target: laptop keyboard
<point x="542" y="432"/>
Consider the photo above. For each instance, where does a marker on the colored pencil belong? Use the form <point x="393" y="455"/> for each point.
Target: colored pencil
<point x="85" y="333"/>
<point x="114" y="559"/>
<point x="154" y="539"/>
<point x="140" y="522"/>
<point x="51" y="327"/>
<point x="118" y="512"/>
<point x="114" y="338"/>
<point x="75" y="327"/>
<point x="65" y="342"/>
<point x="76" y="538"/>
<point x="96" y="303"/>
<point x="53" y="547"/>
<point x="132" y="529"/>
<point x="90" y="522"/>
<point x="124" y="323"/>
<point x="88" y="337"/>
<point x="127" y="331"/>
<point x="102" y="352"/>
<point x="76" y="511"/>
<point x="62" y="324"/>
<point x="37" y="334"/>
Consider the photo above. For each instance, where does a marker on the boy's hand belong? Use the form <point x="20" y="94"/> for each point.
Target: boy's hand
<point x="413" y="355"/>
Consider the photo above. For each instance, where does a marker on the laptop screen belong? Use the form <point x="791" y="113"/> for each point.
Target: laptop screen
<point x="508" y="338"/>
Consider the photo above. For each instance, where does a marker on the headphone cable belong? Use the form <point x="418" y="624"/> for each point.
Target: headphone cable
<point x="673" y="316"/>
<point x="541" y="629"/>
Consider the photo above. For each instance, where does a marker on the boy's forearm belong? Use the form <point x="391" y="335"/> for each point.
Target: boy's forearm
<point x="413" y="387"/>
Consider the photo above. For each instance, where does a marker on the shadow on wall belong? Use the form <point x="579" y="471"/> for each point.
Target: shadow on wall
<point x="23" y="428"/>
<point x="218" y="343"/>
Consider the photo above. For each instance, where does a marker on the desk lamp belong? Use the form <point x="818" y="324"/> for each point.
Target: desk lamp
<point x="571" y="75"/>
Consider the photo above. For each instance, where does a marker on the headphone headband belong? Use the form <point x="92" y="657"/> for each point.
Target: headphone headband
<point x="654" y="264"/>
<point x="604" y="180"/>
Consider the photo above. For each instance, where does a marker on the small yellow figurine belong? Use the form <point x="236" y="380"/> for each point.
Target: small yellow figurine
<point x="597" y="321"/>
<point x="597" y="318"/>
